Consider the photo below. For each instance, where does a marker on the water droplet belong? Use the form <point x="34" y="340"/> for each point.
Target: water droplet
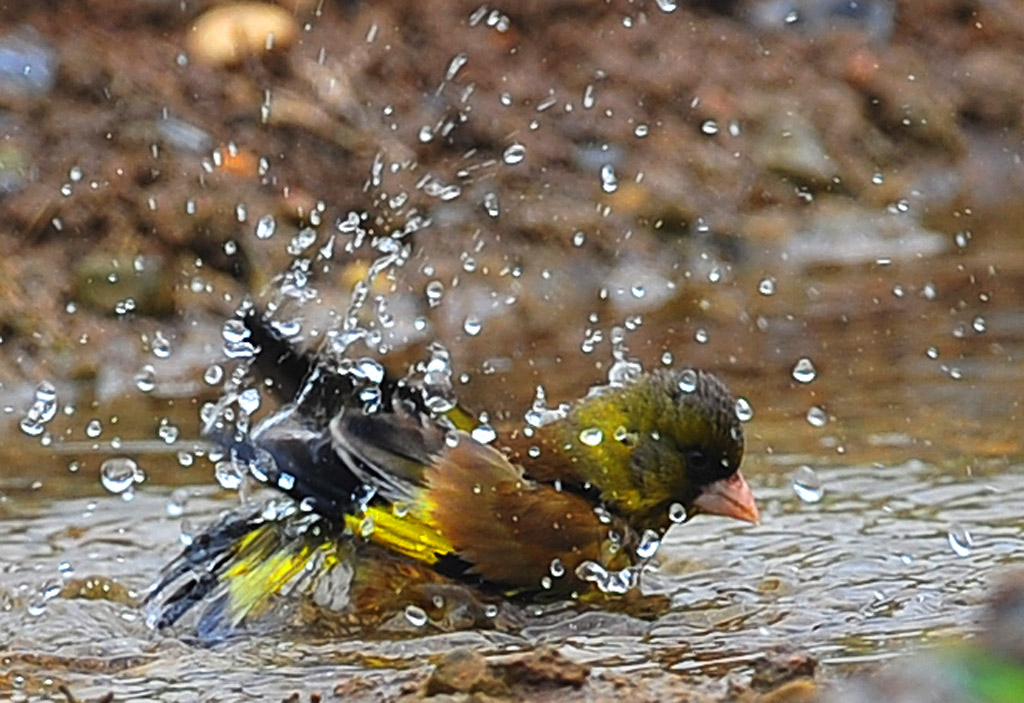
<point x="677" y="513"/>
<point x="491" y="204"/>
<point x="228" y="475"/>
<point x="540" y="414"/>
<point x="366" y="526"/>
<point x="456" y="64"/>
<point x="649" y="543"/>
<point x="804" y="371"/>
<point x="303" y="239"/>
<point x="709" y="127"/>
<point x="119" y="474"/>
<point x="514" y="154"/>
<point x="145" y="379"/>
<point x="168" y="432"/>
<point x="641" y="130"/>
<point x="877" y="178"/>
<point x="609" y="181"/>
<point x="160" y="345"/>
<point x="94" y="428"/>
<point x="932" y="352"/>
<point x="817" y="416"/>
<point x="744" y="410"/>
<point x="962" y="238"/>
<point x="42" y="410"/>
<point x="688" y="381"/>
<point x="213" y="375"/>
<point x="591" y="436"/>
<point x="176" y="505"/>
<point x="434" y="291"/>
<point x="807" y="485"/>
<point x="416" y="616"/>
<point x="960" y="540"/>
<point x="249" y="400"/>
<point x="557" y="568"/>
<point x="579" y="238"/>
<point x="265" y="227"/>
<point x="766" y="286"/>
<point x="490" y="610"/>
<point x="471" y="326"/>
<point x="979" y="325"/>
<point x="701" y="336"/>
<point x="484" y="434"/>
<point x="588" y="97"/>
<point x="667" y="5"/>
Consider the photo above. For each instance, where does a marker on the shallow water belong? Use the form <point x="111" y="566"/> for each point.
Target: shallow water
<point x="916" y="451"/>
<point x="855" y="577"/>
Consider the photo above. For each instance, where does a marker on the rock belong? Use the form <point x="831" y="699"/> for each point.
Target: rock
<point x="789" y="144"/>
<point x="545" y="667"/>
<point x="798" y="691"/>
<point x="993" y="88"/>
<point x="843" y="233"/>
<point x="226" y="35"/>
<point x="776" y="668"/>
<point x="462" y="671"/>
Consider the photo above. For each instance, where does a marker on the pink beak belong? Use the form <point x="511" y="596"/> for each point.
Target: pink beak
<point x="730" y="497"/>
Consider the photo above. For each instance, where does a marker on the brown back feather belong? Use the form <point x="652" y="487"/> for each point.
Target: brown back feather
<point x="508" y="527"/>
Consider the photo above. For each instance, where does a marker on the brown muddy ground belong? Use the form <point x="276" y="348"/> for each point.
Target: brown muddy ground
<point x="136" y="170"/>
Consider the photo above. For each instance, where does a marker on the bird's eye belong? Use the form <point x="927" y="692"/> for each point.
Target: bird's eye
<point x="697" y="459"/>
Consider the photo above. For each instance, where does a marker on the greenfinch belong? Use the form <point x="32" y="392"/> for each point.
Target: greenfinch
<point x="388" y="497"/>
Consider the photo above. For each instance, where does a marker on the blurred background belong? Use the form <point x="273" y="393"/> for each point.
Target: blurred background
<point x="817" y="199"/>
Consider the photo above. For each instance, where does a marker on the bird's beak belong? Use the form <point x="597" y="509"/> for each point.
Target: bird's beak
<point x="730" y="497"/>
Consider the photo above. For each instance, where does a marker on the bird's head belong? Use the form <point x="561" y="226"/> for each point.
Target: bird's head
<point x="662" y="449"/>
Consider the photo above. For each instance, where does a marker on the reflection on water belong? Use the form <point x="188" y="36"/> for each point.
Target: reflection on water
<point x="855" y="576"/>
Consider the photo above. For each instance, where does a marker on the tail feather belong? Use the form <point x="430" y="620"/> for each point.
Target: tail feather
<point x="237" y="567"/>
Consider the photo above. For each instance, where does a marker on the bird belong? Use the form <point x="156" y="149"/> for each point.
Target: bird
<point x="386" y="500"/>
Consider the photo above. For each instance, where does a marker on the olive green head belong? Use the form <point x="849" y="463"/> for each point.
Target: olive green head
<point x="671" y="437"/>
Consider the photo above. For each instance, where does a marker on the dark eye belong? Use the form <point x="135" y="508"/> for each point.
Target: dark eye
<point x="696" y="459"/>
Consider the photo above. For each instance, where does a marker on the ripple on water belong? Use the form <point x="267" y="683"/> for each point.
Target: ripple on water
<point x="859" y="574"/>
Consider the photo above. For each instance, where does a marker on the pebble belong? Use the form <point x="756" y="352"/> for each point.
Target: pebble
<point x="226" y="35"/>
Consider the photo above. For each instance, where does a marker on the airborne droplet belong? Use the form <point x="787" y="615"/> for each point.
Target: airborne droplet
<point x="804" y="371"/>
<point x="609" y="181"/>
<point x="416" y="616"/>
<point x="688" y="381"/>
<point x="817" y="416"/>
<point x="119" y="474"/>
<point x="744" y="410"/>
<point x="265" y="227"/>
<point x="514" y="154"/>
<point x="807" y="485"/>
